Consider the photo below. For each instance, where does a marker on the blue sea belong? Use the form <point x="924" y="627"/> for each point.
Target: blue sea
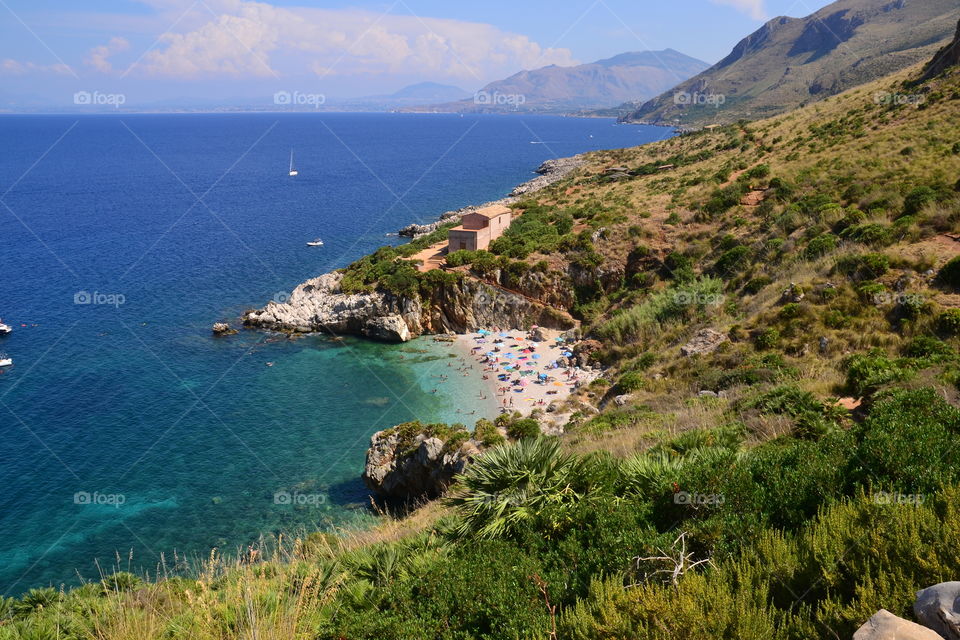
<point x="128" y="432"/>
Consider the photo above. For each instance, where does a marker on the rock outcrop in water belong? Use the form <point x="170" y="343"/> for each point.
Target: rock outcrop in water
<point x="320" y="306"/>
<point x="409" y="462"/>
<point x="550" y="172"/>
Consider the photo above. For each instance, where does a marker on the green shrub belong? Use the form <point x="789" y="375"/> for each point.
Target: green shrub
<point x="867" y="372"/>
<point x="867" y="266"/>
<point x="460" y="258"/>
<point x="917" y="199"/>
<point x="948" y="322"/>
<point x="486" y="432"/>
<point x="524" y="428"/>
<point x="927" y="347"/>
<point x="631" y="381"/>
<point x="757" y="284"/>
<point x="767" y="339"/>
<point x="950" y="274"/>
<point x="821" y="245"/>
<point x="732" y="262"/>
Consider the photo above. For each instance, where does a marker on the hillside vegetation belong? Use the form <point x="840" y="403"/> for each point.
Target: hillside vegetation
<point x="820" y="246"/>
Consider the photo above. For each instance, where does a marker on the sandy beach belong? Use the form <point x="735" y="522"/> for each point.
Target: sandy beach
<point x="521" y="373"/>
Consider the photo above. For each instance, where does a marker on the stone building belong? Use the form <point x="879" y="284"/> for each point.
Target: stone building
<point x="478" y="229"/>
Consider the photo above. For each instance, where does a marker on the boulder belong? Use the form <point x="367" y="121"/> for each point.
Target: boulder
<point x="886" y="626"/>
<point x="223" y="329"/>
<point x="407" y="467"/>
<point x="621" y="401"/>
<point x="705" y="341"/>
<point x="938" y="607"/>
<point x="391" y="328"/>
<point x="538" y="335"/>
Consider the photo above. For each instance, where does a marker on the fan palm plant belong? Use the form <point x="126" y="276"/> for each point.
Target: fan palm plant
<point x="512" y="484"/>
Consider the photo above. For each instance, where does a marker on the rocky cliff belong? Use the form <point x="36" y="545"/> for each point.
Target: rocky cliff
<point x="947" y="57"/>
<point x="319" y="305"/>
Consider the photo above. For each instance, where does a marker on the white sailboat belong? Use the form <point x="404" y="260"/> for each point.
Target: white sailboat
<point x="293" y="171"/>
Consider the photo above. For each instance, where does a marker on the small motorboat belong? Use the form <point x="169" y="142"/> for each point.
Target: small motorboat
<point x="5" y="361"/>
<point x="315" y="243"/>
<point x="5" y="329"/>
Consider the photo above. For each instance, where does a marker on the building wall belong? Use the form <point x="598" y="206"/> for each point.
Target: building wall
<point x="498" y="225"/>
<point x="474" y="221"/>
<point x="463" y="239"/>
<point x="477" y="232"/>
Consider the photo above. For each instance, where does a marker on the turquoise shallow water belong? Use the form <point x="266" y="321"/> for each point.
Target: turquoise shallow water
<point x="124" y="426"/>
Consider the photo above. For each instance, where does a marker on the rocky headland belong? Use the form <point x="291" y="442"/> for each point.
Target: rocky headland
<point x="320" y="306"/>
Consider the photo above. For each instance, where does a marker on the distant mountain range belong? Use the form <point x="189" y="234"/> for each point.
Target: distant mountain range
<point x="422" y="93"/>
<point x="792" y="61"/>
<point x="605" y="83"/>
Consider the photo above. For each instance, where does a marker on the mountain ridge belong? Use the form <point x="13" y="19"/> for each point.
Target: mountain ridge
<point x="595" y="85"/>
<point x="789" y="62"/>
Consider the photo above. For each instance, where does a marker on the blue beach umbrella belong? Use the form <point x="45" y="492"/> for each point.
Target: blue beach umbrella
<point x="535" y="356"/>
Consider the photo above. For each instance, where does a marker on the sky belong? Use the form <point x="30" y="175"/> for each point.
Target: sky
<point x="171" y="52"/>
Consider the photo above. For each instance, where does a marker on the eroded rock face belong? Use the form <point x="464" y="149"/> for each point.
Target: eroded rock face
<point x="938" y="607"/>
<point x="390" y="328"/>
<point x="705" y="341"/>
<point x="883" y="625"/>
<point x="406" y="470"/>
<point x="319" y="305"/>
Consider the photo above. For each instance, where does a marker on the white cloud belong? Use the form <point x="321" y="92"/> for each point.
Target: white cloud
<point x="247" y="38"/>
<point x="99" y="57"/>
<point x="756" y="9"/>
<point x="11" y="67"/>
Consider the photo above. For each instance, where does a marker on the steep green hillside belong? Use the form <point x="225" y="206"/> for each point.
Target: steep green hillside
<point x="793" y="61"/>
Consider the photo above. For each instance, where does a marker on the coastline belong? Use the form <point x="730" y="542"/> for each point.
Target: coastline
<point x="549" y="172"/>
